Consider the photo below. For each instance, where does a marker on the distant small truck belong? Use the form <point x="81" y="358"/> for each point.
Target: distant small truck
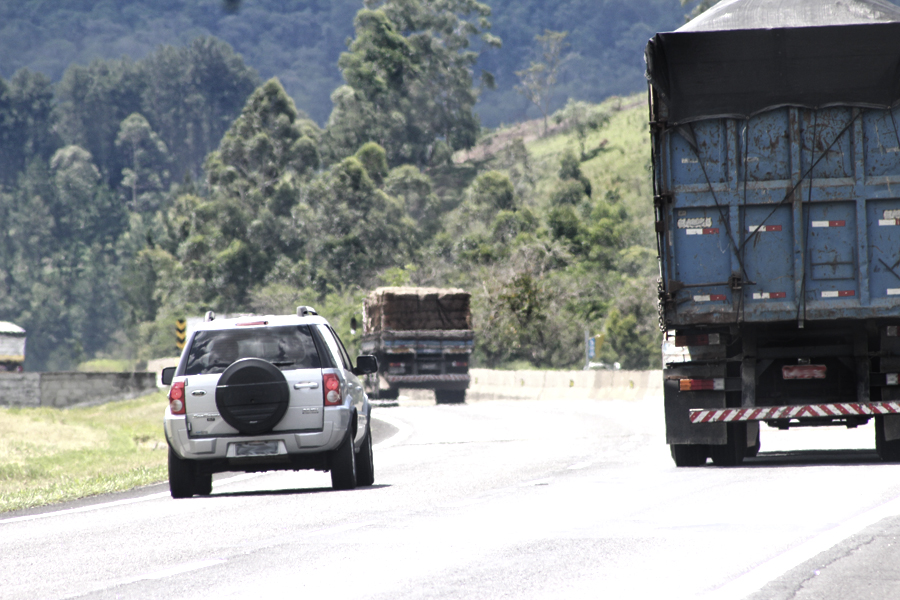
<point x="422" y="338"/>
<point x="12" y="347"/>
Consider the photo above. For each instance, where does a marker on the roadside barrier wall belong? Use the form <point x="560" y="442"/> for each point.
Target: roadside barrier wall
<point x="489" y="384"/>
<point x="62" y="389"/>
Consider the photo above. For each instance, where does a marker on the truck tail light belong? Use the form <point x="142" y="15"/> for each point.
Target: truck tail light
<point x="331" y="389"/>
<point x="695" y="385"/>
<point x="705" y="339"/>
<point x="176" y="398"/>
<point x="459" y="363"/>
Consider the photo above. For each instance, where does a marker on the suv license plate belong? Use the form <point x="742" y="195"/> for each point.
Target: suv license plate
<point x="256" y="448"/>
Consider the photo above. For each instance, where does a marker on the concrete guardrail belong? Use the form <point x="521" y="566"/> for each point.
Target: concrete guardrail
<point x="488" y="384"/>
<point x="62" y="389"/>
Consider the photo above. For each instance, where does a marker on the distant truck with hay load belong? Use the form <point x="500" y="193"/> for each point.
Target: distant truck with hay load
<point x="423" y="339"/>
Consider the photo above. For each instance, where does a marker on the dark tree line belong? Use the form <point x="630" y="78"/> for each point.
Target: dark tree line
<point x="80" y="163"/>
<point x="138" y="191"/>
<point x="300" y="42"/>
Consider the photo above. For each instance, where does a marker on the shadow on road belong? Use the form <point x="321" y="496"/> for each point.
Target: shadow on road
<point x="290" y="492"/>
<point x="813" y="458"/>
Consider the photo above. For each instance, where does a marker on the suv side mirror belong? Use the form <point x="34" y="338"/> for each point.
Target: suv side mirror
<point x="167" y="375"/>
<point x="365" y="364"/>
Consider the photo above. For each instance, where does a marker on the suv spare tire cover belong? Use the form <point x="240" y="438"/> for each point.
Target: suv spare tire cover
<point x="252" y="395"/>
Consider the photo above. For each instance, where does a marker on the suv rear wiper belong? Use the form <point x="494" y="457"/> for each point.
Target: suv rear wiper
<point x="283" y="364"/>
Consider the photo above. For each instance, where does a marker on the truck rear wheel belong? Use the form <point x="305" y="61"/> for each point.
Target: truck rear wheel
<point x="449" y="396"/>
<point x="888" y="451"/>
<point x="732" y="453"/>
<point x="391" y="393"/>
<point x="689" y="455"/>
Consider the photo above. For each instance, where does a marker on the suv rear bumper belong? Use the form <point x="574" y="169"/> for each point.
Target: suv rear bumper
<point x="334" y="430"/>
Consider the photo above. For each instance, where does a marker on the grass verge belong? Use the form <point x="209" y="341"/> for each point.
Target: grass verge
<point x="50" y="455"/>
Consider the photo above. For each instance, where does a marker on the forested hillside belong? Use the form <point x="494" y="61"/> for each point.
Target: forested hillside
<point x="139" y="191"/>
<point x="299" y="42"/>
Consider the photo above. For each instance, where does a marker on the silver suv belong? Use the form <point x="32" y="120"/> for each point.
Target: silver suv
<point x="267" y="393"/>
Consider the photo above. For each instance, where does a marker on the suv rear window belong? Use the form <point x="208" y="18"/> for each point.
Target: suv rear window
<point x="288" y="347"/>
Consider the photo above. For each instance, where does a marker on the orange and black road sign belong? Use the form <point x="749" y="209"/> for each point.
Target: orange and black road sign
<point x="180" y="333"/>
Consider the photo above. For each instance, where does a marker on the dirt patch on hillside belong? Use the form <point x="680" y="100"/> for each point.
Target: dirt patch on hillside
<point x="527" y="131"/>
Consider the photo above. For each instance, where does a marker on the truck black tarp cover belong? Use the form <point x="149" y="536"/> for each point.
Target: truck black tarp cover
<point x="731" y="62"/>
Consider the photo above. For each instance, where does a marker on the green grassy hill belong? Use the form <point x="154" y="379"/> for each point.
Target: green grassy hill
<point x="555" y="265"/>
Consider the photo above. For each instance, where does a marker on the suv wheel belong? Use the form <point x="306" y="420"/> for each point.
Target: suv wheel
<point x="343" y="465"/>
<point x="365" y="465"/>
<point x="181" y="476"/>
<point x="202" y="483"/>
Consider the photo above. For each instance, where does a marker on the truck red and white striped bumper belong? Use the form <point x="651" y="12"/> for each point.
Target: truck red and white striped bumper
<point x="800" y="411"/>
<point x="400" y="379"/>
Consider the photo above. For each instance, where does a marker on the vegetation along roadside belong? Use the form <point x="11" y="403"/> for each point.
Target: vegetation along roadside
<point x="50" y="455"/>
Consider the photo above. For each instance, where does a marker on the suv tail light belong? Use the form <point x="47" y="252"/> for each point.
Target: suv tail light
<point x="176" y="398"/>
<point x="331" y="388"/>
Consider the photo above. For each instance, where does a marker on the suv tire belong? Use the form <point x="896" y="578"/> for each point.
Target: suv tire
<point x="365" y="465"/>
<point x="343" y="464"/>
<point x="252" y="395"/>
<point x="181" y="476"/>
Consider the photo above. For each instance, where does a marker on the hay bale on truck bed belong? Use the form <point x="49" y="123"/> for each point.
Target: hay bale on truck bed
<point x="411" y="308"/>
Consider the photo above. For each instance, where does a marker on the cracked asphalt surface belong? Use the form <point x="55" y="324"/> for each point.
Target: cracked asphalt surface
<point x="866" y="565"/>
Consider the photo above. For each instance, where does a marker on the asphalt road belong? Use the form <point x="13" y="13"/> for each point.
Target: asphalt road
<point x="527" y="499"/>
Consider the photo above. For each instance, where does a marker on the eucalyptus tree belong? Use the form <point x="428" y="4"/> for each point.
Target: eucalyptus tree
<point x="231" y="239"/>
<point x="409" y="82"/>
<point x="147" y="159"/>
<point x="26" y="123"/>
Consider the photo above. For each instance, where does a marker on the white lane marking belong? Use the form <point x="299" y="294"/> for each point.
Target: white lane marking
<point x="545" y="481"/>
<point x="774" y="568"/>
<point x="102" y="505"/>
<point x="341" y="528"/>
<point x="82" y="509"/>
<point x="403" y="432"/>
<point x="172" y="571"/>
<point x="581" y="465"/>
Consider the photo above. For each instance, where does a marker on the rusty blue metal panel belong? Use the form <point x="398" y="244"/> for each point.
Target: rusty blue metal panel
<point x="793" y="214"/>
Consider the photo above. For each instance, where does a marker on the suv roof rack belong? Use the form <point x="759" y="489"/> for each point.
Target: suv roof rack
<point x="305" y="311"/>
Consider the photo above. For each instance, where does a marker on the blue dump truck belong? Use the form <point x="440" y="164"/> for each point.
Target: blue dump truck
<point x="775" y="132"/>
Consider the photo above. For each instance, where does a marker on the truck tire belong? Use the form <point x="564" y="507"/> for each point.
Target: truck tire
<point x="182" y="476"/>
<point x="888" y="451"/>
<point x="689" y="455"/>
<point x="365" y="465"/>
<point x="449" y="396"/>
<point x="753" y="451"/>
<point x="343" y="465"/>
<point x="730" y="454"/>
<point x="391" y="393"/>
